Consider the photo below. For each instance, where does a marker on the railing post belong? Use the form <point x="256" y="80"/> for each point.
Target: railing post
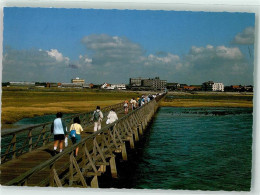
<point x="14" y="146"/>
<point x="43" y="136"/>
<point x="52" y="175"/>
<point x="30" y="140"/>
<point x="71" y="170"/>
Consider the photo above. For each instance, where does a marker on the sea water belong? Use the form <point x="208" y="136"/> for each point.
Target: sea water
<point x="192" y="149"/>
<point x="198" y="149"/>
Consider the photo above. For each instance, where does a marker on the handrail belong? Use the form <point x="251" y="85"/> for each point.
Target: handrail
<point x="22" y="178"/>
<point x="20" y="129"/>
<point x="23" y="139"/>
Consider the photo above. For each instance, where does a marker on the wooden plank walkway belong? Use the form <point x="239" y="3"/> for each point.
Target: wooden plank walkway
<point x="27" y="161"/>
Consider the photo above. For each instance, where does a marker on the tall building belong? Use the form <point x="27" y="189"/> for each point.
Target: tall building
<point x="145" y="83"/>
<point x="155" y="84"/>
<point x="136" y="82"/>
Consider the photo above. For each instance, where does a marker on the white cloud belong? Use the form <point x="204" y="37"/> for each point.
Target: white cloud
<point x="210" y="53"/>
<point x="229" y="53"/>
<point x="54" y="53"/>
<point x="32" y="64"/>
<point x="246" y="37"/>
<point x="221" y="63"/>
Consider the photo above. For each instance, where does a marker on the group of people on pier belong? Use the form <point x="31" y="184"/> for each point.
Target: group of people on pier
<point x="59" y="128"/>
<point x="138" y="102"/>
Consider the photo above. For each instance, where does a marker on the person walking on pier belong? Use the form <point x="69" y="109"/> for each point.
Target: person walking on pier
<point x="133" y="102"/>
<point x="139" y="102"/>
<point x="77" y="128"/>
<point x="126" y="106"/>
<point x="111" y="117"/>
<point x="59" y="129"/>
<point x="97" y="118"/>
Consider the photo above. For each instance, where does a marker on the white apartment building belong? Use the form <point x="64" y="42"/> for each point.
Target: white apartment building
<point x="218" y="87"/>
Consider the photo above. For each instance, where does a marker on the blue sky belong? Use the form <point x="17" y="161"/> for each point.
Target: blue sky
<point x="49" y="44"/>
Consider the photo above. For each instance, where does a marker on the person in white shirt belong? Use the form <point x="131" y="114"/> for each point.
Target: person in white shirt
<point x="59" y="129"/>
<point x="112" y="116"/>
<point x="133" y="102"/>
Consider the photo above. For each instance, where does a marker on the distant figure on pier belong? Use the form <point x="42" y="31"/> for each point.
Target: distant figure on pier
<point x="59" y="129"/>
<point x="78" y="129"/>
<point x="126" y="106"/>
<point x="133" y="102"/>
<point x="139" y="102"/>
<point x="97" y="118"/>
<point x="143" y="101"/>
<point x="151" y="97"/>
<point x="111" y="117"/>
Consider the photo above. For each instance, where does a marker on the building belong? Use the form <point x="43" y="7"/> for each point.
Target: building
<point x="22" y="84"/>
<point x="192" y="88"/>
<point x="113" y="86"/>
<point x="218" y="87"/>
<point x="207" y="86"/>
<point x="88" y="85"/>
<point x="147" y="84"/>
<point x="118" y="86"/>
<point x="106" y="86"/>
<point x="71" y="85"/>
<point x="155" y="84"/>
<point x="51" y="84"/>
<point x="78" y="80"/>
<point x="173" y="86"/>
<point x="211" y="86"/>
<point x="136" y="82"/>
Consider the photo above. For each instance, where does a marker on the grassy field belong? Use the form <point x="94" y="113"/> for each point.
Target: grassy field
<point x="208" y="100"/>
<point x="18" y="103"/>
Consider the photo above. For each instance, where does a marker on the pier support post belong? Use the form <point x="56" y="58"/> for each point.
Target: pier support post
<point x="132" y="143"/>
<point x="94" y="182"/>
<point x="136" y="134"/>
<point x="145" y="122"/>
<point x="112" y="163"/>
<point x="124" y="153"/>
<point x="102" y="168"/>
<point x="140" y="129"/>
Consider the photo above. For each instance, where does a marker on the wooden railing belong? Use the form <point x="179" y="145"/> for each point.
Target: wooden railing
<point x="16" y="142"/>
<point x="96" y="152"/>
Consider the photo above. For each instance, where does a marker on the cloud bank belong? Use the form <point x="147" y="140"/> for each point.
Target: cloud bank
<point x="115" y="59"/>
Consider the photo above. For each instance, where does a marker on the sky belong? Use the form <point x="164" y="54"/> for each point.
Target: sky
<point x="58" y="44"/>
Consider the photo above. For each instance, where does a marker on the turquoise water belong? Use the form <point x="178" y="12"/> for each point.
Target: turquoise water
<point x="197" y="149"/>
<point x="38" y="120"/>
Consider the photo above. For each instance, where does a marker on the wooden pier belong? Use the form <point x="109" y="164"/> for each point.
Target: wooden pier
<point x="28" y="159"/>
